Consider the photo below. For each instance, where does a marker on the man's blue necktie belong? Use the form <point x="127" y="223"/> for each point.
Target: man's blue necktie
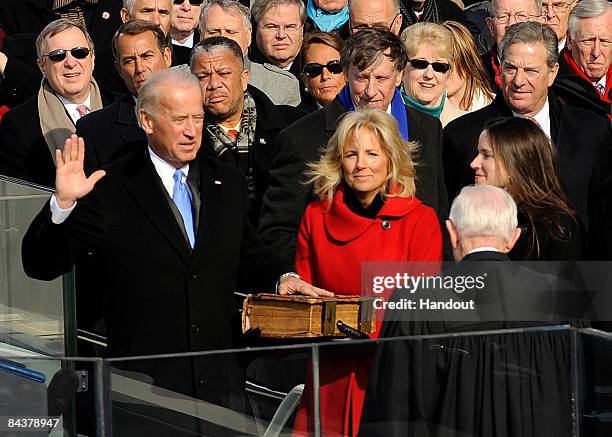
<point x="182" y="199"/>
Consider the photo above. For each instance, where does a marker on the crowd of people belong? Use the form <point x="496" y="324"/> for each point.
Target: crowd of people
<point x="199" y="148"/>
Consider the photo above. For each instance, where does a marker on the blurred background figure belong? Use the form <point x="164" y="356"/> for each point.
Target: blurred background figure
<point x="556" y="15"/>
<point x="430" y="54"/>
<point x="515" y="154"/>
<point x="467" y="86"/>
<point x="585" y="75"/>
<point x="328" y="16"/>
<point x="367" y="211"/>
<point x="322" y="71"/>
<point x="184" y="29"/>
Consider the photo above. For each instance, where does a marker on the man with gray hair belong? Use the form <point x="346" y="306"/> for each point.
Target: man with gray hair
<point x="503" y="295"/>
<point x="529" y="65"/>
<point x="231" y="19"/>
<point x="502" y="15"/>
<point x="585" y="75"/>
<point x="482" y="223"/>
<point x="162" y="226"/>
<point x="278" y="36"/>
<point x="372" y="60"/>
<point x="31" y="132"/>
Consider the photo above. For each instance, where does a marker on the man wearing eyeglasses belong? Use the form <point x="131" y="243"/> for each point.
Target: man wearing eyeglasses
<point x="502" y="15"/>
<point x="231" y="19"/>
<point x="278" y="34"/>
<point x="241" y="123"/>
<point x="529" y="65"/>
<point x="31" y="132"/>
<point x="556" y="15"/>
<point x="381" y="14"/>
<point x="585" y="75"/>
<point x="372" y="60"/>
<point x="184" y="29"/>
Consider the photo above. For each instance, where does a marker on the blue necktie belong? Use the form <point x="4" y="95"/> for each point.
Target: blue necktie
<point x="182" y="199"/>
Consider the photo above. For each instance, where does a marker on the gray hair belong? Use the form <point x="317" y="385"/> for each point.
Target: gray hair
<point x="55" y="27"/>
<point x="531" y="32"/>
<point x="484" y="211"/>
<point x="148" y="94"/>
<point x="231" y="7"/>
<point x="129" y="5"/>
<point x="208" y="45"/>
<point x="260" y="7"/>
<point x="396" y="5"/>
<point x="586" y="9"/>
<point x="491" y="7"/>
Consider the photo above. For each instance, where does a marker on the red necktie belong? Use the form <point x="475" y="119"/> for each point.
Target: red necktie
<point x="82" y="110"/>
<point x="233" y="133"/>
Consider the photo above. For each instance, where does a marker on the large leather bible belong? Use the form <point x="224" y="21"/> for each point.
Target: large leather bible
<point x="299" y="316"/>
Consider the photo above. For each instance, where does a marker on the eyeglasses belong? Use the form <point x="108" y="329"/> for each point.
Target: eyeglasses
<point x="60" y="54"/>
<point x="519" y="17"/>
<point x="556" y="6"/>
<point x="289" y="29"/>
<point x="314" y="69"/>
<point x="422" y="64"/>
<point x="191" y="2"/>
<point x="360" y="27"/>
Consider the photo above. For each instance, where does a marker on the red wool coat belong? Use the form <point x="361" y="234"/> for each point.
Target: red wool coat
<point x="332" y="244"/>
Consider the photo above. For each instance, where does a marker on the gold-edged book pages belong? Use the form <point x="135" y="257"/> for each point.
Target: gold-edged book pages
<point x="306" y="316"/>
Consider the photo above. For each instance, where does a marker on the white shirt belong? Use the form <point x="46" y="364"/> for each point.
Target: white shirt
<point x="542" y="117"/>
<point x="601" y="82"/>
<point x="71" y="108"/>
<point x="188" y="42"/>
<point x="163" y="169"/>
<point x="561" y="45"/>
<point x="483" y="249"/>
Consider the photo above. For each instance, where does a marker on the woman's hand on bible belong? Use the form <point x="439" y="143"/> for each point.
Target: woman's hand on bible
<point x="293" y="285"/>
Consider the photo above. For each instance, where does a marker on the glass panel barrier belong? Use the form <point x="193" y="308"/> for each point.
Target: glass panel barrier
<point x="32" y="314"/>
<point x="40" y="395"/>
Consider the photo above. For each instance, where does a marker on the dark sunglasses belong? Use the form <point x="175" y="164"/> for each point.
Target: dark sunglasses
<point x="60" y="54"/>
<point x="422" y="64"/>
<point x="191" y="2"/>
<point x="314" y="70"/>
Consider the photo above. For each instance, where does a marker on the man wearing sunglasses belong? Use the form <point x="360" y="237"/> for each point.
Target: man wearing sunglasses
<point x="529" y="65"/>
<point x="22" y="21"/>
<point x="184" y="29"/>
<point x="241" y="123"/>
<point x="31" y="132"/>
<point x="373" y="60"/>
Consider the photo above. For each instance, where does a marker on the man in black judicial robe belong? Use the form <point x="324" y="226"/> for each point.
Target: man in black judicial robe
<point x="513" y="383"/>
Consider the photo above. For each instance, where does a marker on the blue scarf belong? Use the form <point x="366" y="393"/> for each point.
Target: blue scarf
<point x="435" y="111"/>
<point x="398" y="109"/>
<point x="326" y="21"/>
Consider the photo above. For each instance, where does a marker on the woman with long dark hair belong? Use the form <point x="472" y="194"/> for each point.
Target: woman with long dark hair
<point x="515" y="154"/>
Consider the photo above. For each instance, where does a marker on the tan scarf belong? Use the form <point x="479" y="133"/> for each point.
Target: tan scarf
<point x="55" y="123"/>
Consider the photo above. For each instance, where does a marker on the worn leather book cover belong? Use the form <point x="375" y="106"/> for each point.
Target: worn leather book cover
<point x="306" y="316"/>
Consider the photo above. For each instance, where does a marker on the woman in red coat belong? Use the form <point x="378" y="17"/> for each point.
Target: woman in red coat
<point x="367" y="212"/>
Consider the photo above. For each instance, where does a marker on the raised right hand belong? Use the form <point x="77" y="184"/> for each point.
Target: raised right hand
<point x="71" y="183"/>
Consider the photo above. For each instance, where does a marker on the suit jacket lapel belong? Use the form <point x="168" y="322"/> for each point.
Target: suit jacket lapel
<point x="146" y="188"/>
<point x="211" y="199"/>
<point x="333" y="111"/>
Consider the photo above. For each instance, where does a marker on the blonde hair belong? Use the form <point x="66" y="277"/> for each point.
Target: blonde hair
<point x="434" y="35"/>
<point x="327" y="175"/>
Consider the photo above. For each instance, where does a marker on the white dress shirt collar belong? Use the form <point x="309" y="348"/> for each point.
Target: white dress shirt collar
<point x="71" y="107"/>
<point x="188" y="42"/>
<point x="166" y="171"/>
<point x="542" y="117"/>
<point x="483" y="249"/>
